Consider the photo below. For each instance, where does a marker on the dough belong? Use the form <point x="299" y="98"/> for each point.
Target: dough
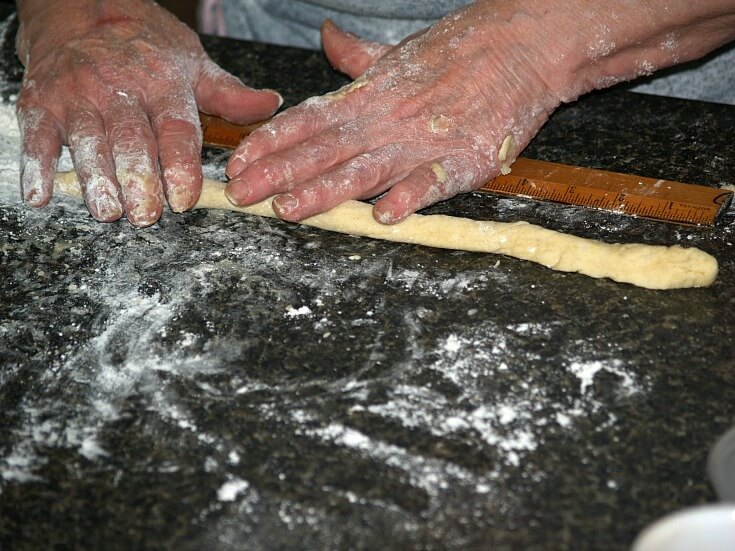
<point x="650" y="266"/>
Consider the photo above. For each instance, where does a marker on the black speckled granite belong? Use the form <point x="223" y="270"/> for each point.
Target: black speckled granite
<point x="368" y="395"/>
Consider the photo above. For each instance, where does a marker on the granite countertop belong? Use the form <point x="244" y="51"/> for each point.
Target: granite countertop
<point x="229" y="382"/>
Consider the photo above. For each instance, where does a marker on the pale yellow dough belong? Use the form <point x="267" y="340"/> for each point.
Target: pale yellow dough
<point x="650" y="266"/>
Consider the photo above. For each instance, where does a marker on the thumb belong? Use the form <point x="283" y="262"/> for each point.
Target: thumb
<point x="224" y="95"/>
<point x="348" y="53"/>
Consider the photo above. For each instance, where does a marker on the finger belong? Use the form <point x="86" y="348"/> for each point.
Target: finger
<point x="41" y="138"/>
<point x="224" y="95"/>
<point x="179" y="136"/>
<point x="381" y="188"/>
<point x="297" y="124"/>
<point x="352" y="179"/>
<point x="282" y="171"/>
<point x="135" y="154"/>
<point x="347" y="52"/>
<point x="92" y="158"/>
<point x="425" y="185"/>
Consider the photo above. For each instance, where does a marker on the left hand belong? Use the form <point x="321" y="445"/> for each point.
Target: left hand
<point x="120" y="82"/>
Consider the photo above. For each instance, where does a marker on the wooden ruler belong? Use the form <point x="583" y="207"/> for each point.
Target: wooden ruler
<point x="662" y="200"/>
<point x="655" y="199"/>
<point x="220" y="133"/>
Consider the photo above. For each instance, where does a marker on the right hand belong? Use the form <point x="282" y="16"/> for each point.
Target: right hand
<point x="120" y="83"/>
<point x="451" y="107"/>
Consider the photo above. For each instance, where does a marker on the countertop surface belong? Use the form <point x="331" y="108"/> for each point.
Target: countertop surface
<point x="230" y="382"/>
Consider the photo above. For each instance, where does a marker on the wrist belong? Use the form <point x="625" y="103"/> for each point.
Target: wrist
<point x="39" y="23"/>
<point x="40" y="30"/>
<point x="531" y="45"/>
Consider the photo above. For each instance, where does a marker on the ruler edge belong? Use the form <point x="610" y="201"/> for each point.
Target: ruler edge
<point x="610" y="173"/>
<point x="713" y="193"/>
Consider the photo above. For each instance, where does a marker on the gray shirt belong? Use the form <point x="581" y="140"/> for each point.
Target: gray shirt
<point x="297" y="22"/>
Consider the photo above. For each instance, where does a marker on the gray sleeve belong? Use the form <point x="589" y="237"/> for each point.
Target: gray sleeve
<point x="297" y="23"/>
<point x="709" y="79"/>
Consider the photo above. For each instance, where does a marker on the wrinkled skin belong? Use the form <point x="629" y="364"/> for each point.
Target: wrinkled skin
<point x="438" y="114"/>
<point x="421" y="122"/>
<point x="446" y="109"/>
<point x="120" y="83"/>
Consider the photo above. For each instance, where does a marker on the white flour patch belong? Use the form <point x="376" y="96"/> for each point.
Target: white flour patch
<point x="10" y="157"/>
<point x="453" y="285"/>
<point x="432" y="475"/>
<point x="587" y="370"/>
<point x="292" y="312"/>
<point x="139" y="320"/>
<point x="452" y="344"/>
<point x="230" y="490"/>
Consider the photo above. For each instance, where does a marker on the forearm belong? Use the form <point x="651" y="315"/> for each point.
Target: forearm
<point x="655" y="35"/>
<point x="589" y="45"/>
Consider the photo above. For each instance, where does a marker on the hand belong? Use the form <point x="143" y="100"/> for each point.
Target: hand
<point x="119" y="83"/>
<point x="437" y="115"/>
<point x="451" y="107"/>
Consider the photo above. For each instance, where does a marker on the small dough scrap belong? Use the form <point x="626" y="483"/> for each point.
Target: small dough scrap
<point x="341" y="93"/>
<point x="441" y="174"/>
<point x="439" y="124"/>
<point x="650" y="266"/>
<point x="507" y="149"/>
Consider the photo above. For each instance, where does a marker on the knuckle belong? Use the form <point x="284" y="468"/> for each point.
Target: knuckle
<point x="179" y="128"/>
<point x="274" y="170"/>
<point x="321" y="152"/>
<point x="365" y="167"/>
<point x="80" y="119"/>
<point x="36" y="124"/>
<point x="462" y="174"/>
<point x="408" y="108"/>
<point x="128" y="136"/>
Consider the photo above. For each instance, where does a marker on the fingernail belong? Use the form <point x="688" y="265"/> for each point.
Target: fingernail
<point x="102" y="199"/>
<point x="180" y="196"/>
<point x="180" y="199"/>
<point x="108" y="210"/>
<point x="285" y="204"/>
<point x="145" y="213"/>
<point x="229" y="197"/>
<point x="180" y="180"/>
<point x="237" y="192"/>
<point x="31" y="183"/>
<point x="235" y="166"/>
<point x="280" y="98"/>
<point x="143" y="208"/>
<point x="383" y="217"/>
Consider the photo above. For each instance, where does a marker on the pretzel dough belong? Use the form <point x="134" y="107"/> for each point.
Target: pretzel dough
<point x="650" y="266"/>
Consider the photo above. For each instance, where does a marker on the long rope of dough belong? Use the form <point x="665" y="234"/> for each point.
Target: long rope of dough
<point x="650" y="266"/>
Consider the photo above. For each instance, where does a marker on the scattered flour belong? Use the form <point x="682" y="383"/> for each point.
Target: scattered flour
<point x="508" y="421"/>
